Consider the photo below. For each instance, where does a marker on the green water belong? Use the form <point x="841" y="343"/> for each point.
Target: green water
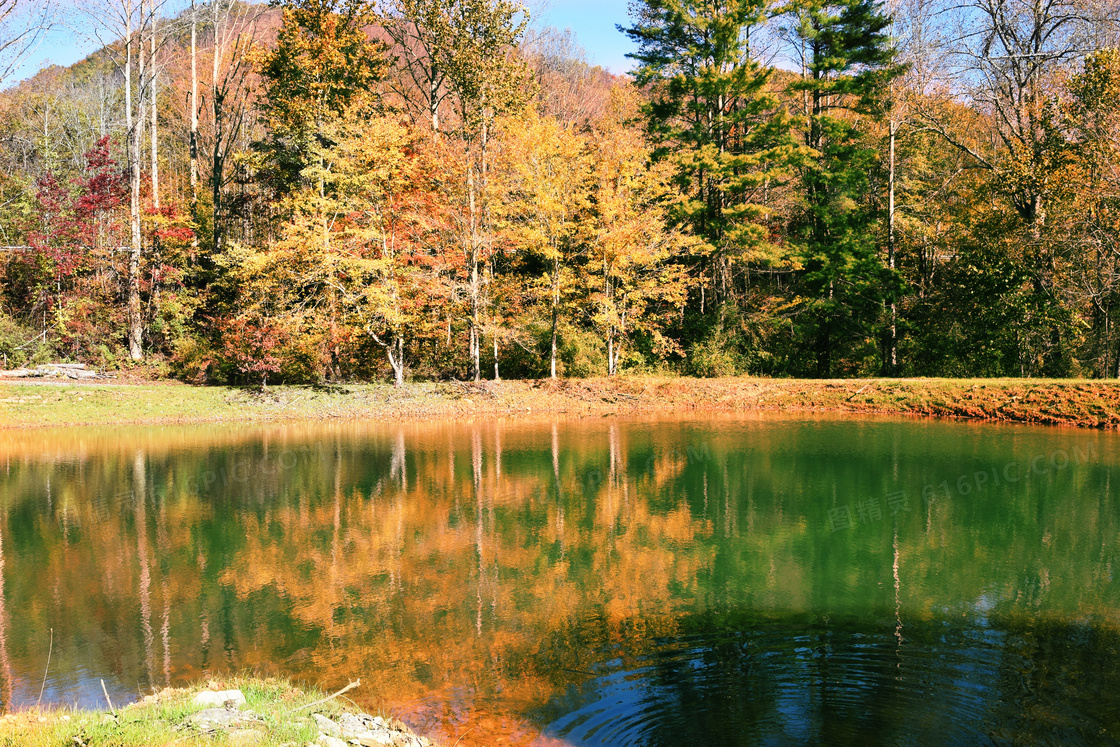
<point x="702" y="581"/>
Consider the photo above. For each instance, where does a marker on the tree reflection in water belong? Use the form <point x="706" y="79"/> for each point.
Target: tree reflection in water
<point x="587" y="582"/>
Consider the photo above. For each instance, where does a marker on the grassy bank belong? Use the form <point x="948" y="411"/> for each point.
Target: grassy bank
<point x="274" y="713"/>
<point x="1091" y="404"/>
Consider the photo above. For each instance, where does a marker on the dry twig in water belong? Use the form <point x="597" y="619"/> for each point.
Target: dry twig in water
<point x="104" y="690"/>
<point x="332" y="696"/>
<point x="45" y="670"/>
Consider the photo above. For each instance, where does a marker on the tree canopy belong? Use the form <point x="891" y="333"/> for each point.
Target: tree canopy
<point x="441" y="188"/>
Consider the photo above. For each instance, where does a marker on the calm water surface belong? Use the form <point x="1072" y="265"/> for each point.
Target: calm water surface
<point x="711" y="581"/>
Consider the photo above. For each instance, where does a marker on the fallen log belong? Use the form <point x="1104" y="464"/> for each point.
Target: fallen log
<point x="52" y="370"/>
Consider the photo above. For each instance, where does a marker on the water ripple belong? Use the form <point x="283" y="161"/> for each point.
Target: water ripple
<point x="842" y="685"/>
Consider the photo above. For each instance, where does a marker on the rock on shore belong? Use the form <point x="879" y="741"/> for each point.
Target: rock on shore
<point x="242" y="726"/>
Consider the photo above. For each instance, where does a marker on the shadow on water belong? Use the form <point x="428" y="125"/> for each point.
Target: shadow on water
<point x="850" y="682"/>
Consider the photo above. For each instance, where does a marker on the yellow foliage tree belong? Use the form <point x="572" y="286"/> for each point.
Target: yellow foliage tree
<point x="346" y="260"/>
<point x="630" y="268"/>
<point x="546" y="177"/>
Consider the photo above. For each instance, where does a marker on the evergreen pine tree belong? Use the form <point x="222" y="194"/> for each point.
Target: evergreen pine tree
<point x="847" y="64"/>
<point x="712" y="113"/>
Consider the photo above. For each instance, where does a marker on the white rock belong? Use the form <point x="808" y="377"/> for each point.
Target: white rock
<point x="212" y="718"/>
<point x="354" y="725"/>
<point x="211" y="698"/>
<point x="329" y="741"/>
<point x="326" y="726"/>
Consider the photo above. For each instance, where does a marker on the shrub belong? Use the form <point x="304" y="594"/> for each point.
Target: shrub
<point x="580" y="352"/>
<point x="21" y="345"/>
<point x="715" y="356"/>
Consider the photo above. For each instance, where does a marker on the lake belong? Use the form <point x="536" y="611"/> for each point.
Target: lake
<point x="715" y="580"/>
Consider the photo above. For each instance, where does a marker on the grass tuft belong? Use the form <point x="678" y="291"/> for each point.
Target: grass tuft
<point x="164" y="719"/>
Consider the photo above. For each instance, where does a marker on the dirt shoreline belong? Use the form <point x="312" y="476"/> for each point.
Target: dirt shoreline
<point x="1077" y="403"/>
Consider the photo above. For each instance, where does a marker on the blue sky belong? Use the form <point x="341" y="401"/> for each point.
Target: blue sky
<point x="59" y="46"/>
<point x="592" y="21"/>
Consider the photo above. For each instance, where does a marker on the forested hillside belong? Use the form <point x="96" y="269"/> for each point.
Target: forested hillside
<point x="333" y="190"/>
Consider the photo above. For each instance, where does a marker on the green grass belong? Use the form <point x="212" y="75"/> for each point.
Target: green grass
<point x="1069" y="402"/>
<point x="163" y="719"/>
<point x="65" y="404"/>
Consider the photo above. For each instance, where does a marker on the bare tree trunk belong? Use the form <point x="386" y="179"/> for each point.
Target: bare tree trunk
<point x="497" y="377"/>
<point x="216" y="101"/>
<point x="608" y="303"/>
<point x="433" y="100"/>
<point x="153" y="82"/>
<point x="475" y="280"/>
<point x="892" y="342"/>
<point x="133" y="125"/>
<point x="395" y="351"/>
<point x="194" y="123"/>
<point x="555" y="310"/>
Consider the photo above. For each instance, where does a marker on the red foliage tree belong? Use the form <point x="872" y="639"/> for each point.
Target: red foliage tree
<point x="251" y="344"/>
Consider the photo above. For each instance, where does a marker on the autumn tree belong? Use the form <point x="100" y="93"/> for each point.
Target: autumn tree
<point x="126" y="20"/>
<point x="401" y="184"/>
<point x="546" y="170"/>
<point x="632" y="269"/>
<point x="74" y="229"/>
<point x="423" y="39"/>
<point x="322" y="60"/>
<point x="1010" y="56"/>
<point x="391" y="284"/>
<point x="1091" y="209"/>
<point x="1012" y="51"/>
<point x="460" y="52"/>
<point x="233" y="28"/>
<point x="351" y="259"/>
<point x="485" y="82"/>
